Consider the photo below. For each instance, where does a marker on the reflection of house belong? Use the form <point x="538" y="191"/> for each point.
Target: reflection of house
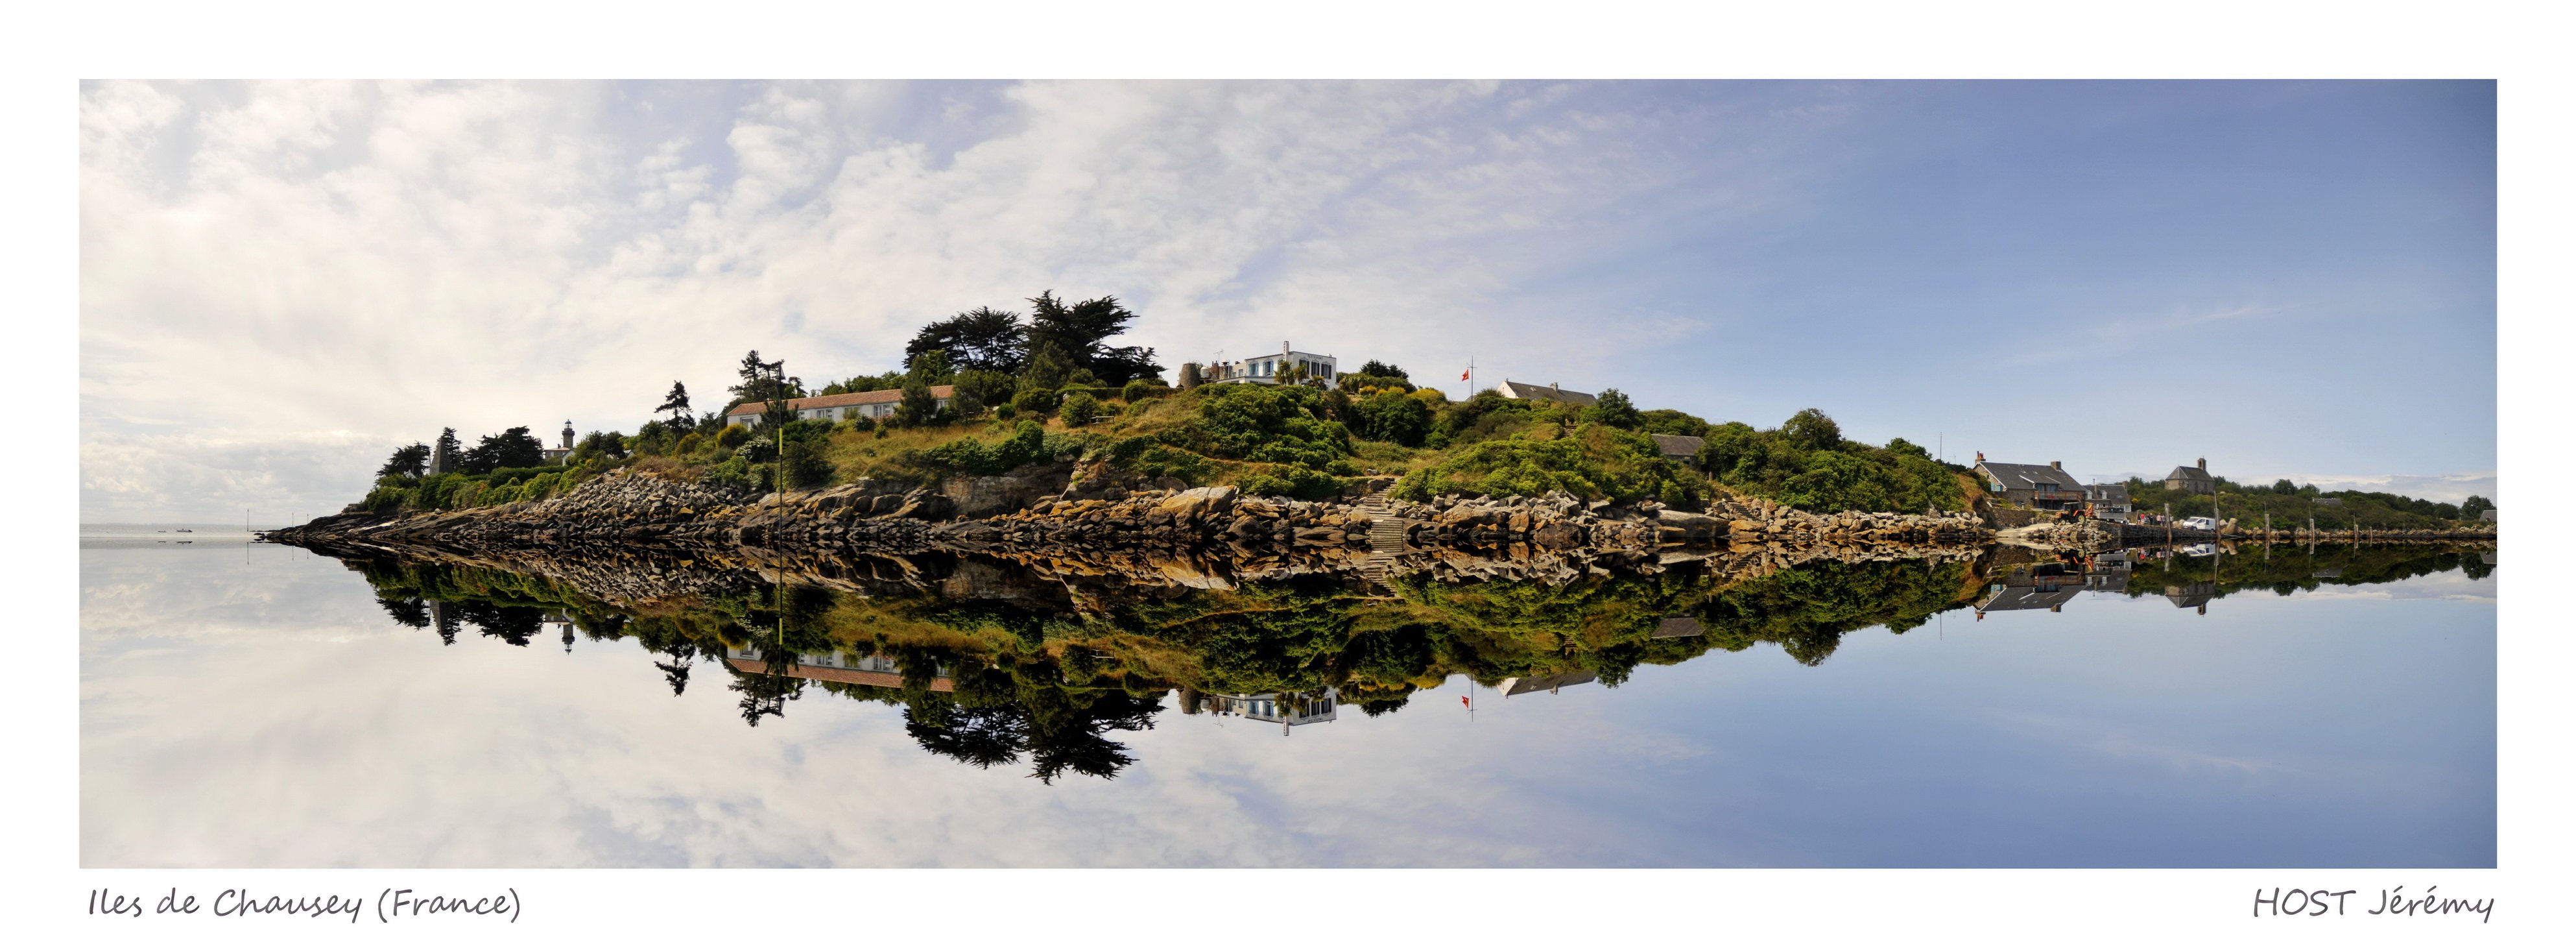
<point x="1264" y="370"/>
<point x="877" y="404"/>
<point x="2044" y="486"/>
<point x="2195" y="478"/>
<point x="2330" y="572"/>
<point x="1286" y="709"/>
<point x="1679" y="627"/>
<point x="1550" y="392"/>
<point x="2044" y="586"/>
<point x="872" y="670"/>
<point x="2109" y="501"/>
<point x="1549" y="684"/>
<point x="2110" y="572"/>
<point x="2192" y="595"/>
<point x="2329" y="501"/>
<point x="1683" y="448"/>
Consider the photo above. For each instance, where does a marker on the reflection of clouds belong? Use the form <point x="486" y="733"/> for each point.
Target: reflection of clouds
<point x="271" y="715"/>
<point x="2118" y="739"/>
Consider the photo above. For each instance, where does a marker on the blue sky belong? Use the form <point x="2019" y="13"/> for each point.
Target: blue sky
<point x="280" y="282"/>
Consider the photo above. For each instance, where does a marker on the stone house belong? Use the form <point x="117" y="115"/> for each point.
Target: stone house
<point x="878" y="404"/>
<point x="1550" y="392"/>
<point x="2038" y="486"/>
<point x="2195" y="478"/>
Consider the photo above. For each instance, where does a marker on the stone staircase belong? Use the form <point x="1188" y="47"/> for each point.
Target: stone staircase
<point x="1385" y="539"/>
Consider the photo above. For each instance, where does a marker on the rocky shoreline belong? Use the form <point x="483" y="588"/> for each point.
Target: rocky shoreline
<point x="1203" y="535"/>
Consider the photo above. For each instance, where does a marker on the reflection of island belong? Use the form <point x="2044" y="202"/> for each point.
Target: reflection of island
<point x="998" y="662"/>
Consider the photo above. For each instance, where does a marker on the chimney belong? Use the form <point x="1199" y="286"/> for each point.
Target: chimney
<point x="2057" y="465"/>
<point x="2201" y="463"/>
<point x="1981" y="457"/>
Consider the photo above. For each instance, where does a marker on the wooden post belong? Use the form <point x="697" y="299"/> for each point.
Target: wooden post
<point x="2168" y="523"/>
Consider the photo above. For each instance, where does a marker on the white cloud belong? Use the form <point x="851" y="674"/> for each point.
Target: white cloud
<point x="281" y="260"/>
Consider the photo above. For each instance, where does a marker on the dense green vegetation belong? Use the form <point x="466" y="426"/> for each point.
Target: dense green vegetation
<point x="2291" y="506"/>
<point x="1593" y="461"/>
<point x="1808" y="464"/>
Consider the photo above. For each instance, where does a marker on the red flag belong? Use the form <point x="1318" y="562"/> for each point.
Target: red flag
<point x="1462" y="376"/>
<point x="1462" y="699"/>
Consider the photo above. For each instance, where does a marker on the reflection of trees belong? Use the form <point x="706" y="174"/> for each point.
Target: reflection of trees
<point x="765" y="693"/>
<point x="409" y="612"/>
<point x="2286" y="568"/>
<point x="1044" y="676"/>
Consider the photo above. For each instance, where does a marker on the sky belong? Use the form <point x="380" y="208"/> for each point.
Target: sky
<point x="281" y="282"/>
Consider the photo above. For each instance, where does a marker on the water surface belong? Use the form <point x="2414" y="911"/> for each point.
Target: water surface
<point x="256" y="705"/>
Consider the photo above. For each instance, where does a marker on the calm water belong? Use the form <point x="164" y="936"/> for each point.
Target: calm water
<point x="255" y="705"/>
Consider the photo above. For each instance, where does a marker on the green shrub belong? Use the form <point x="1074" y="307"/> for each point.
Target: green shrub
<point x="1288" y="480"/>
<point x="1154" y="459"/>
<point x="732" y="437"/>
<point x="1034" y="402"/>
<point x="1392" y="416"/>
<point x="805" y="464"/>
<point x="1596" y="462"/>
<point x="1080" y="409"/>
<point x="1138" y="390"/>
<point x="1005" y="411"/>
<point x="1028" y="443"/>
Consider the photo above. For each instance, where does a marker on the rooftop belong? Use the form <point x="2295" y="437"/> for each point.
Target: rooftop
<point x="1551" y="392"/>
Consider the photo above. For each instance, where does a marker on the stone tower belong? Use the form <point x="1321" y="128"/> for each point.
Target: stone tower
<point x="567" y="435"/>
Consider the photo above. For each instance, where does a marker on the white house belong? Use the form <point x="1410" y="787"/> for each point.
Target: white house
<point x="873" y="405"/>
<point x="1264" y="370"/>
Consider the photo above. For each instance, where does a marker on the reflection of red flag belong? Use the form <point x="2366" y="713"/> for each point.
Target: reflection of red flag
<point x="1462" y="376"/>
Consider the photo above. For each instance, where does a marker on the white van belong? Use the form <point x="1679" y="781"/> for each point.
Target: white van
<point x="2197" y="523"/>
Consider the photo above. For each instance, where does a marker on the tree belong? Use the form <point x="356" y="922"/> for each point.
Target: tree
<point x="407" y="461"/>
<point x="918" y="407"/>
<point x="598" y="444"/>
<point x="981" y="339"/>
<point x="1813" y="430"/>
<point x="514" y="447"/>
<point x="447" y="453"/>
<point x="677" y="402"/>
<point x="931" y="367"/>
<point x="2475" y="507"/>
<point x="1048" y="367"/>
<point x="1375" y="367"/>
<point x="2283" y="486"/>
<point x="1077" y="331"/>
<point x="1614" y="409"/>
<point x="765" y="382"/>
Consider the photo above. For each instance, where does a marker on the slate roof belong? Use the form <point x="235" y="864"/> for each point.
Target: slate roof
<point x="2107" y="493"/>
<point x="1678" y="446"/>
<point x="2027" y="476"/>
<point x="2189" y="474"/>
<point x="1512" y="389"/>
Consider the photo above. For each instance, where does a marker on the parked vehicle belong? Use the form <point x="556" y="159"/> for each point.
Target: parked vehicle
<point x="2197" y="523"/>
